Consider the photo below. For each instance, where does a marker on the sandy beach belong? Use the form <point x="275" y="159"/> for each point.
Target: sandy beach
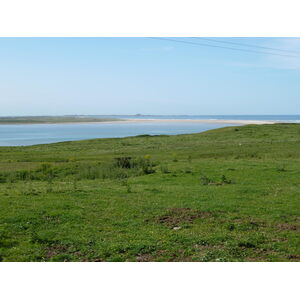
<point x="207" y="121"/>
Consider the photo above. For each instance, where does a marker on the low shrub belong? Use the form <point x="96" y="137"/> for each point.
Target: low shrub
<point x="119" y="168"/>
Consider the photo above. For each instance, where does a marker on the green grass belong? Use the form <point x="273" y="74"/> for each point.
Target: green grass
<point x="230" y="194"/>
<point x="50" y="119"/>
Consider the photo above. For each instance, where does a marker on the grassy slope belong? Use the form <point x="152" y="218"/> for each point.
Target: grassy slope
<point x="185" y="211"/>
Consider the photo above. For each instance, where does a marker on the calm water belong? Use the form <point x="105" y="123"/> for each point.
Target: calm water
<point x="22" y="135"/>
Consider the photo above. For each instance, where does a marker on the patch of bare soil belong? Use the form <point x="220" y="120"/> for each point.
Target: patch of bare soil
<point x="287" y="226"/>
<point x="294" y="257"/>
<point x="178" y="255"/>
<point x="54" y="250"/>
<point x="145" y="258"/>
<point x="176" y="216"/>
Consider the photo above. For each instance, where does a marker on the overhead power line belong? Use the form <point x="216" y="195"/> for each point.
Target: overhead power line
<point x="222" y="47"/>
<point x="245" y="45"/>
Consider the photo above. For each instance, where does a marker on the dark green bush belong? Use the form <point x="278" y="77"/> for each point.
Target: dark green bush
<point x="2" y="178"/>
<point x="123" y="162"/>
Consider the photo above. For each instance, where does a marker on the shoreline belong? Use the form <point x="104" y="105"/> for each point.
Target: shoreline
<point x="126" y="121"/>
<point x="208" y="121"/>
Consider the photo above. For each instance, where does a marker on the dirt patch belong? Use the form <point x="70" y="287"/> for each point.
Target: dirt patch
<point x="294" y="257"/>
<point x="287" y="226"/>
<point x="95" y="260"/>
<point x="51" y="219"/>
<point x="145" y="258"/>
<point x="177" y="255"/>
<point x="55" y="250"/>
<point x="176" y="216"/>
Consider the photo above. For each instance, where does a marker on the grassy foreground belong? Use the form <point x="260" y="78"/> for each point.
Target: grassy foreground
<point x="230" y="194"/>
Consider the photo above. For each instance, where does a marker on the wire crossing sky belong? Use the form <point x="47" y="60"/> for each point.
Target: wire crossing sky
<point x="245" y="45"/>
<point x="57" y="76"/>
<point x="223" y="47"/>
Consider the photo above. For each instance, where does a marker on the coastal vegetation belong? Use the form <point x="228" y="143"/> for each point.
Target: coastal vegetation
<point x="229" y="194"/>
<point x="52" y="119"/>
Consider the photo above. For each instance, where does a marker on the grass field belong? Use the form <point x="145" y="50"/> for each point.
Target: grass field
<point x="229" y="194"/>
<point x="50" y="120"/>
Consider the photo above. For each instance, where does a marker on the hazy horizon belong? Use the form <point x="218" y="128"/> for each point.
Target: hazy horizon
<point x="147" y="115"/>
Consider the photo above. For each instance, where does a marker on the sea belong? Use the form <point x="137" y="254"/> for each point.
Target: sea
<point x="33" y="134"/>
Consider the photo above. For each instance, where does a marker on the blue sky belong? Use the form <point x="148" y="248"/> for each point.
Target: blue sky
<point x="55" y="76"/>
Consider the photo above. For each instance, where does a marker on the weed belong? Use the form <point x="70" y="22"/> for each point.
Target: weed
<point x="281" y="168"/>
<point x="75" y="180"/>
<point x="164" y="169"/>
<point x="225" y="180"/>
<point x="204" y="180"/>
<point x="49" y="187"/>
<point x="174" y="157"/>
<point x="246" y="244"/>
<point x="188" y="170"/>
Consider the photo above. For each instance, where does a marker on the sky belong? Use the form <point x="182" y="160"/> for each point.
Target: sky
<point x="98" y="76"/>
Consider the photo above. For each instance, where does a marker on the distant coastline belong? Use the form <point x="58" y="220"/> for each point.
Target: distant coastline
<point x="82" y="120"/>
<point x="52" y="120"/>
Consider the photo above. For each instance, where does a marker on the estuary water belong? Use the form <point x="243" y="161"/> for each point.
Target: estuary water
<point x="32" y="134"/>
<point x="22" y="135"/>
